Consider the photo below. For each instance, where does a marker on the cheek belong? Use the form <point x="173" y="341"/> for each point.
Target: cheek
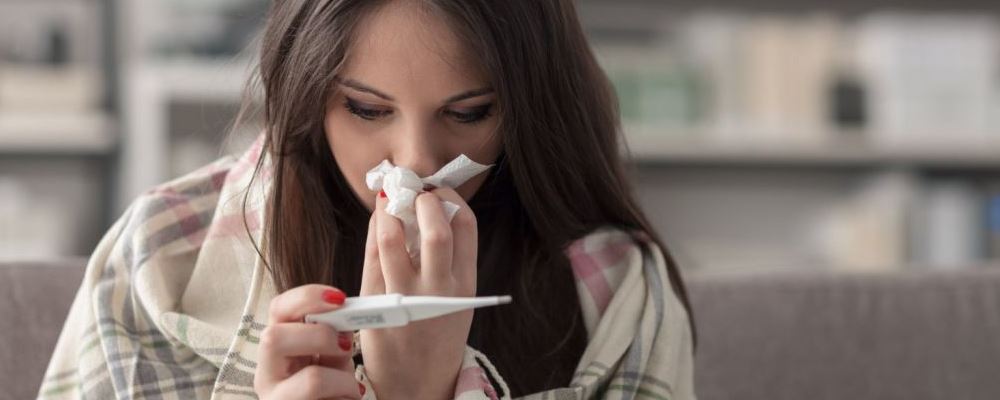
<point x="353" y="161"/>
<point x="482" y="142"/>
<point x="486" y="153"/>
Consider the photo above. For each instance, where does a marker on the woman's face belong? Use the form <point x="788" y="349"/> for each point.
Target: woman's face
<point x="410" y="93"/>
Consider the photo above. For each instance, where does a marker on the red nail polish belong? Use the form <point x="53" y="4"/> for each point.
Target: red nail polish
<point x="334" y="296"/>
<point x="361" y="388"/>
<point x="381" y="193"/>
<point x="345" y="342"/>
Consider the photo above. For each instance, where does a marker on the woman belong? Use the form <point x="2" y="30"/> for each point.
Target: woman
<point x="200" y="290"/>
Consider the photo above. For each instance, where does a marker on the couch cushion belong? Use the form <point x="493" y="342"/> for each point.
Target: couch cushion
<point x="34" y="301"/>
<point x="787" y="335"/>
<point x="814" y="335"/>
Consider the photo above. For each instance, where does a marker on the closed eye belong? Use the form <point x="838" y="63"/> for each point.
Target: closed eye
<point x="471" y="116"/>
<point x="364" y="111"/>
<point x="371" y="113"/>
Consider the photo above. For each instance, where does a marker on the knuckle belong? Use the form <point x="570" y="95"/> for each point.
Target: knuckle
<point x="390" y="238"/>
<point x="307" y="294"/>
<point x="270" y="338"/>
<point x="464" y="219"/>
<point x="437" y="237"/>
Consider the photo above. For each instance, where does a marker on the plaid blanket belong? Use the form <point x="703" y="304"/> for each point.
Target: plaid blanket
<point x="174" y="299"/>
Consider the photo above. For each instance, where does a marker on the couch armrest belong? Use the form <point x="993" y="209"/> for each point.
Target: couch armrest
<point x="34" y="300"/>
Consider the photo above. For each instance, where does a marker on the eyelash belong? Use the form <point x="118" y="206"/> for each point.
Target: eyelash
<point x="478" y="115"/>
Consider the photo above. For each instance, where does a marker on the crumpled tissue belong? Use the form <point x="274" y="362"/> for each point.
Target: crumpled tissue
<point x="402" y="186"/>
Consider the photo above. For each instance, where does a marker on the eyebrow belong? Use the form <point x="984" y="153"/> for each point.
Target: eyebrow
<point x="353" y="84"/>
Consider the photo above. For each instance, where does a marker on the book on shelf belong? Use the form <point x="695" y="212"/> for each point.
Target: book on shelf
<point x="897" y="78"/>
<point x="993" y="221"/>
<point x="933" y="78"/>
<point x="948" y="224"/>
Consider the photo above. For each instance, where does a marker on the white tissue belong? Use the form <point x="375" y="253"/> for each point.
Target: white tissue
<point x="402" y="186"/>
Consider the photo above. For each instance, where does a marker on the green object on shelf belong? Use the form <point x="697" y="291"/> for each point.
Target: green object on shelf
<point x="627" y="90"/>
<point x="993" y="222"/>
<point x="668" y="97"/>
<point x="664" y="97"/>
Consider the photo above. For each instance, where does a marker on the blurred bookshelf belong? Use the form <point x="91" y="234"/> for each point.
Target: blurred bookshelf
<point x="772" y="134"/>
<point x="851" y="151"/>
<point x="37" y="133"/>
<point x="182" y="91"/>
<point x="58" y="127"/>
<point x="780" y="134"/>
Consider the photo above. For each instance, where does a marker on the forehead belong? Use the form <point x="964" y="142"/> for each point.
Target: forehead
<point x="405" y="48"/>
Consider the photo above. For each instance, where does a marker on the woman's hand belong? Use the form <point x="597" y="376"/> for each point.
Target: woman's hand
<point x="305" y="361"/>
<point x="420" y="360"/>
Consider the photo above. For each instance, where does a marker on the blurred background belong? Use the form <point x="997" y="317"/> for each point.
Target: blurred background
<point x="774" y="134"/>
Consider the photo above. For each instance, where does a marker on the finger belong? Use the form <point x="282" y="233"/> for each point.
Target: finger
<point x="338" y="362"/>
<point x="395" y="262"/>
<point x="295" y="303"/>
<point x="318" y="382"/>
<point x="435" y="238"/>
<point x="280" y="343"/>
<point x="372" y="281"/>
<point x="300" y="339"/>
<point x="465" y="234"/>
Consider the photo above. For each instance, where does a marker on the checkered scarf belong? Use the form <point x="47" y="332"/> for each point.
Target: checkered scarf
<point x="174" y="299"/>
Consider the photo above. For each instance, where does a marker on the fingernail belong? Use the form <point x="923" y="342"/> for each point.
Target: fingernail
<point x="334" y="296"/>
<point x="344" y="342"/>
<point x="361" y="388"/>
<point x="381" y="193"/>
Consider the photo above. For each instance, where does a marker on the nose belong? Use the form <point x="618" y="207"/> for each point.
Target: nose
<point x="417" y="148"/>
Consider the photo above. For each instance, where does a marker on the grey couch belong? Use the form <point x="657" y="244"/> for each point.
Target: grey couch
<point x="775" y="335"/>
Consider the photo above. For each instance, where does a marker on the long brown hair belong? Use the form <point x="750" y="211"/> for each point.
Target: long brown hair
<point x="559" y="175"/>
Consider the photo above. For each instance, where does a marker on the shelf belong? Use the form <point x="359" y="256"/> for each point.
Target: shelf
<point x="84" y="133"/>
<point x="649" y="150"/>
<point x="195" y="79"/>
<point x="848" y="6"/>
